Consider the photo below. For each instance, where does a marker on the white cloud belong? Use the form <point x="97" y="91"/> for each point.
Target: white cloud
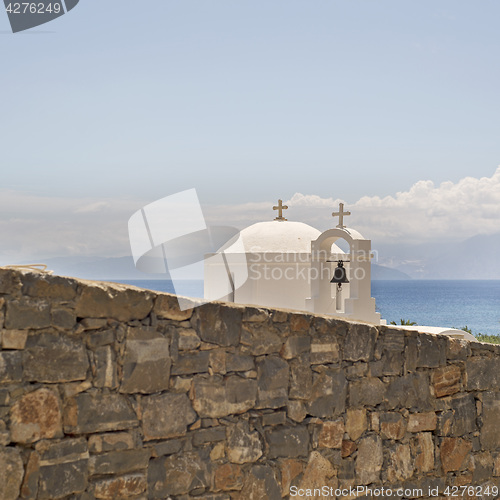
<point x="34" y="227"/>
<point x="426" y="212"/>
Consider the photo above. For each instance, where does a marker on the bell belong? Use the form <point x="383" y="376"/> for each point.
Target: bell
<point x="339" y="275"/>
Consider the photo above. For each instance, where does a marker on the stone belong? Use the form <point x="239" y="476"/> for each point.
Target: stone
<point x="242" y="445"/>
<point x="453" y="453"/>
<point x="348" y="448"/>
<point x="190" y="363"/>
<point x="218" y="324"/>
<point x="331" y="434"/>
<point x="360" y="342"/>
<point x="112" y="300"/>
<point x="272" y="380"/>
<point x="166" y="447"/>
<point x="255" y="315"/>
<point x="105" y="368"/>
<point x="166" y="415"/>
<point x="167" y="307"/>
<point x="29" y="488"/>
<point x="392" y="426"/>
<point x="431" y="351"/>
<point x="392" y="341"/>
<point x="239" y="362"/>
<point x="279" y="316"/>
<point x="391" y="363"/>
<point x="119" y="462"/>
<point x="463" y="407"/>
<point x="418" y="422"/>
<point x="357" y="370"/>
<point x="261" y="339"/>
<point x="41" y="351"/>
<point x="400" y="465"/>
<point x="228" y="477"/>
<point x="218" y="452"/>
<point x="94" y="323"/>
<point x="369" y="460"/>
<point x="260" y="483"/>
<point x="27" y="313"/>
<point x="113" y="441"/>
<point x="4" y="397"/>
<point x="496" y="466"/>
<point x="346" y="473"/>
<point x="11" y="473"/>
<point x="458" y="349"/>
<point x="324" y="350"/>
<point x="48" y="286"/>
<point x="356" y="423"/>
<point x="290" y="470"/>
<point x="146" y="364"/>
<point x="90" y="413"/>
<point x="178" y="474"/>
<point x="366" y="392"/>
<point x="483" y="468"/>
<point x="180" y="384"/>
<point x="73" y="388"/>
<point x="423" y="450"/>
<point x="274" y="418"/>
<point x="37" y="415"/>
<point x="409" y="391"/>
<point x="62" y="318"/>
<point x="14" y="339"/>
<point x="100" y="339"/>
<point x="299" y="322"/>
<point x="188" y="340"/>
<point x="287" y="442"/>
<point x="482" y="374"/>
<point x="446" y="380"/>
<point x="209" y="435"/>
<point x="126" y="486"/>
<point x="63" y="468"/>
<point x="10" y="282"/>
<point x="214" y="397"/>
<point x="11" y="369"/>
<point x="296" y="411"/>
<point x="490" y="431"/>
<point x="301" y="379"/>
<point x="318" y="473"/>
<point x="296" y="345"/>
<point x="328" y="394"/>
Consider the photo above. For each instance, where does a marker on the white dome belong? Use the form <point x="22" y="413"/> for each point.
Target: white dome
<point x="278" y="236"/>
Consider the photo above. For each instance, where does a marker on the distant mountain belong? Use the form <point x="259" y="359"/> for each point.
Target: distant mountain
<point x="112" y="268"/>
<point x="386" y="273"/>
<point x="122" y="268"/>
<point x="474" y="258"/>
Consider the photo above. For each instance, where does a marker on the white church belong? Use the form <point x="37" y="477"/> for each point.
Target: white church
<point x="293" y="265"/>
<point x="286" y="264"/>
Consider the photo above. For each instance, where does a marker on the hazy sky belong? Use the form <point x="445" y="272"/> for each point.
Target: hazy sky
<point x="119" y="103"/>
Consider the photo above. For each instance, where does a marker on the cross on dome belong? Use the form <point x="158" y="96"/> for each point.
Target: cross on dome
<point x="280" y="209"/>
<point x="340" y="214"/>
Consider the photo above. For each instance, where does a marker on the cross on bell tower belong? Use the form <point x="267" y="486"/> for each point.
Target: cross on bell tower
<point x="280" y="209"/>
<point x="340" y="214"/>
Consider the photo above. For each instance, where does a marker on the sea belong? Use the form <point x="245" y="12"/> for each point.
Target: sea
<point x="447" y="303"/>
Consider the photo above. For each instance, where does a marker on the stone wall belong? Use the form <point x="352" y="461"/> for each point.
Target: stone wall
<point x="108" y="391"/>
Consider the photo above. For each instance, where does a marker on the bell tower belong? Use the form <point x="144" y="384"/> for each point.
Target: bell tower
<point x="344" y="290"/>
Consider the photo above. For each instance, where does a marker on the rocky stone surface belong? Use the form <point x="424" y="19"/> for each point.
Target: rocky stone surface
<point x="112" y="392"/>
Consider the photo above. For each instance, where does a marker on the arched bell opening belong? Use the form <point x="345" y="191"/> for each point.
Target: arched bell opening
<point x="354" y="300"/>
<point x="339" y="270"/>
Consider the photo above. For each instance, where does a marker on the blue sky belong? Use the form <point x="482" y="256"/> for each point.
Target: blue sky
<point x="248" y="101"/>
